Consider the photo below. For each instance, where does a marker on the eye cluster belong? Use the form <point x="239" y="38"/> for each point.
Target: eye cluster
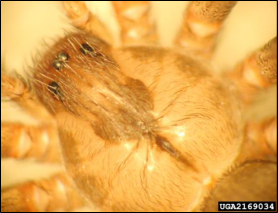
<point x="63" y="58"/>
<point x="61" y="61"/>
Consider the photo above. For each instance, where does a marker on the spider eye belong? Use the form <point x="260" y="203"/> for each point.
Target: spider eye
<point x="86" y="49"/>
<point x="63" y="57"/>
<point x="59" y="63"/>
<point x="53" y="87"/>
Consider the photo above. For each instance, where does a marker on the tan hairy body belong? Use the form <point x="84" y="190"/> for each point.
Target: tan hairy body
<point x="141" y="128"/>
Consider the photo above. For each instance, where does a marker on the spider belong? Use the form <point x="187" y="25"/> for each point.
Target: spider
<point x="142" y="127"/>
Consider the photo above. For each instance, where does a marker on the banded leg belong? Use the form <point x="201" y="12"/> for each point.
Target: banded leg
<point x="14" y="88"/>
<point x="257" y="72"/>
<point x="202" y="22"/>
<point x="83" y="19"/>
<point x="135" y="21"/>
<point x="53" y="194"/>
<point x="260" y="141"/>
<point x="20" y="141"/>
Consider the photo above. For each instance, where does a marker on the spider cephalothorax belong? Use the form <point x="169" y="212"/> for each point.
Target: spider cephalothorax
<point x="142" y="127"/>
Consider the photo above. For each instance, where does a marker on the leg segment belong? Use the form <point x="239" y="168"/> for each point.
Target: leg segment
<point x="257" y="72"/>
<point x="19" y="141"/>
<point x="136" y="24"/>
<point x="202" y="22"/>
<point x="260" y="141"/>
<point x="16" y="89"/>
<point x="83" y="19"/>
<point x="54" y="194"/>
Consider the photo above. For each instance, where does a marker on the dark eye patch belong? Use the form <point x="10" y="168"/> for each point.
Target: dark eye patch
<point x="53" y="87"/>
<point x="86" y="49"/>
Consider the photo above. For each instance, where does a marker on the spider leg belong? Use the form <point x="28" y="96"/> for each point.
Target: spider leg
<point x="54" y="194"/>
<point x="83" y="19"/>
<point x="260" y="141"/>
<point x="22" y="141"/>
<point x="14" y="88"/>
<point x="202" y="22"/>
<point x="256" y="72"/>
<point x="135" y="22"/>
